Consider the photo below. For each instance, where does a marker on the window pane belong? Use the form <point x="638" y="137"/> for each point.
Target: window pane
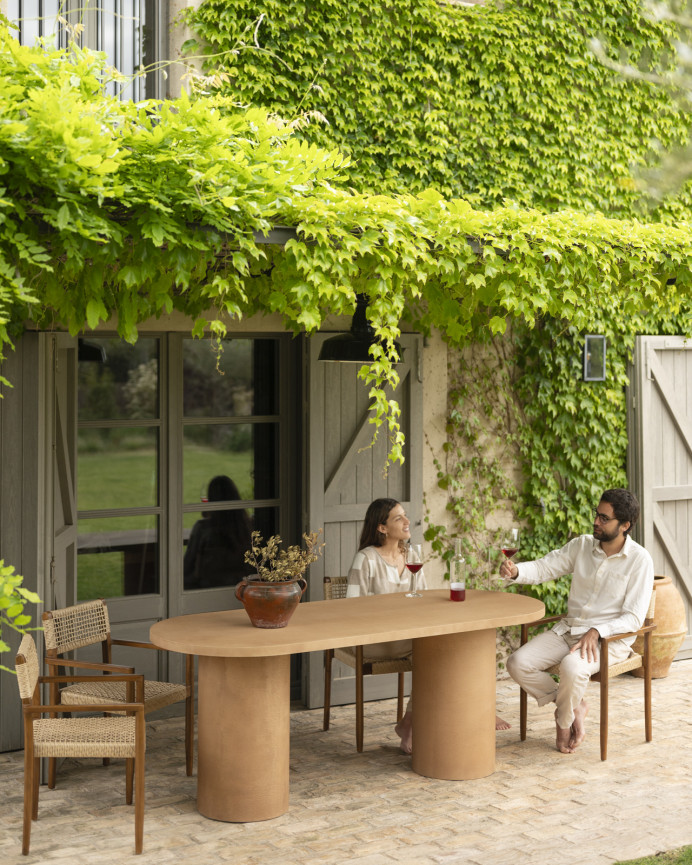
<point x="216" y="542"/>
<point x="117" y="468"/>
<point x="118" y="381"/>
<point x="244" y="452"/>
<point x="244" y="384"/>
<point x="117" y="556"/>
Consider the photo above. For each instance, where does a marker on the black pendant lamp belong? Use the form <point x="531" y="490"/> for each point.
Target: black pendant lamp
<point x="354" y="346"/>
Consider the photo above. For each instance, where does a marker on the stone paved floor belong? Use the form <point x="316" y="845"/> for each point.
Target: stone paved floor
<point x="371" y="809"/>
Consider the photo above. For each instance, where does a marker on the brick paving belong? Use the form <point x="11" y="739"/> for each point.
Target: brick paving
<point x="539" y="807"/>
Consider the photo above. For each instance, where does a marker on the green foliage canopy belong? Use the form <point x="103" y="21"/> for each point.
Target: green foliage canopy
<point x="111" y="208"/>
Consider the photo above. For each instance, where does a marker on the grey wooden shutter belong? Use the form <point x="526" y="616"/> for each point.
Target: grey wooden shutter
<point x="345" y="475"/>
<point x="661" y="455"/>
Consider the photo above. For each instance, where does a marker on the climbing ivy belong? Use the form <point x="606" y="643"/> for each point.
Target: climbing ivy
<point x="493" y="103"/>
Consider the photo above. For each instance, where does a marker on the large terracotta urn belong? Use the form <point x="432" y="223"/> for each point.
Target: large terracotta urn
<point x="270" y="604"/>
<point x="671" y="628"/>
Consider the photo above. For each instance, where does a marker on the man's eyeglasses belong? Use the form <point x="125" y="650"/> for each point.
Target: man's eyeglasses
<point x="602" y="518"/>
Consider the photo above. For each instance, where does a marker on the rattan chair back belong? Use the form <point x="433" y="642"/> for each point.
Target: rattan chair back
<point x="27" y="668"/>
<point x="76" y="627"/>
<point x="335" y="588"/>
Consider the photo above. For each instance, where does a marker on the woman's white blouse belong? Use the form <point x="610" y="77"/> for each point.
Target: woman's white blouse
<point x="370" y="574"/>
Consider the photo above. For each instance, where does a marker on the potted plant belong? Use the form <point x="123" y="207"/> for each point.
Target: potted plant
<point x="271" y="596"/>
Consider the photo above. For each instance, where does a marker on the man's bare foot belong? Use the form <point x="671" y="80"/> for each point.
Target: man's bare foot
<point x="563" y="738"/>
<point x="579" y="725"/>
<point x="501" y="724"/>
<point x="404" y="729"/>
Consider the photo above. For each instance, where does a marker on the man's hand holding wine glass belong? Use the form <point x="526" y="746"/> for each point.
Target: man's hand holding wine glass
<point x="510" y="547"/>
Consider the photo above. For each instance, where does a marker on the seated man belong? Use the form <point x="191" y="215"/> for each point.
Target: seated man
<point x="612" y="581"/>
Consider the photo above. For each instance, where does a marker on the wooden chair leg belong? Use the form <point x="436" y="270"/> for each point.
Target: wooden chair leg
<point x="647" y="687"/>
<point x="37" y="777"/>
<point x="29" y="772"/>
<point x="129" y="776"/>
<point x="604" y="713"/>
<point x="139" y="784"/>
<point x="522" y="714"/>
<point x="52" y="763"/>
<point x="328" y="655"/>
<point x="359" y="698"/>
<point x="189" y="713"/>
<point x="400" y="699"/>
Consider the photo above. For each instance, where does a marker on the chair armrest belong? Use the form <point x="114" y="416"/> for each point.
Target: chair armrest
<point x="644" y="630"/>
<point x="136" y="678"/>
<point x="98" y="707"/>
<point x="136" y="644"/>
<point x="124" y="677"/>
<point x="88" y="665"/>
<point x="544" y="621"/>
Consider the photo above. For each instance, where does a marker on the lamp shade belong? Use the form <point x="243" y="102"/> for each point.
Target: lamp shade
<point x="353" y="346"/>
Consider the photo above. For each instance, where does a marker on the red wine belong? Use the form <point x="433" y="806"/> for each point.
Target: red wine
<point x="414" y="567"/>
<point x="457" y="594"/>
<point x="509" y="552"/>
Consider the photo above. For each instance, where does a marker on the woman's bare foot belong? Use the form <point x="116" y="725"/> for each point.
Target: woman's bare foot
<point x="404" y="729"/>
<point x="579" y="725"/>
<point x="563" y="737"/>
<point x="501" y="724"/>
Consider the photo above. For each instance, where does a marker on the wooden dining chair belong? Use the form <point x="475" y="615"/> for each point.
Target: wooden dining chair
<point x="87" y="625"/>
<point x="605" y="674"/>
<point x="113" y="736"/>
<point x="352" y="656"/>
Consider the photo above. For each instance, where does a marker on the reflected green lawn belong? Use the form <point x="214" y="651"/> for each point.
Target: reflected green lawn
<point x="127" y="478"/>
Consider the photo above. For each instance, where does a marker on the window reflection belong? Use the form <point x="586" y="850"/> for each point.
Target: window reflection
<point x="244" y="452"/>
<point x="215" y="554"/>
<point x="216" y="541"/>
<point x="117" y="556"/>
<point x="117" y="467"/>
<point x="118" y="380"/>
<point x="241" y="381"/>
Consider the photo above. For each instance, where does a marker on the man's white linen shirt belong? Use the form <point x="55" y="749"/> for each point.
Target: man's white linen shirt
<point x="608" y="593"/>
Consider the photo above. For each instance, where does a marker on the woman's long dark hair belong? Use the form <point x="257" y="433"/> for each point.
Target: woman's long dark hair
<point x="233" y="524"/>
<point x="377" y="513"/>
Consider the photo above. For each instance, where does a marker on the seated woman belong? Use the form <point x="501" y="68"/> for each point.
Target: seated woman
<point x="215" y="554"/>
<point x="379" y="567"/>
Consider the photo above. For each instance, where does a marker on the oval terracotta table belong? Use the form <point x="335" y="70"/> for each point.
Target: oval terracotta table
<point x="244" y="697"/>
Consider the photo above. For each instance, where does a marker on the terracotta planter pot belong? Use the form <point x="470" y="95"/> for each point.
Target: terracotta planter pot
<point x="671" y="628"/>
<point x="270" y="605"/>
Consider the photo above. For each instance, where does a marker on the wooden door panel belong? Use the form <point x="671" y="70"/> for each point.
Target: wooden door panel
<point x="662" y="409"/>
<point x="347" y="472"/>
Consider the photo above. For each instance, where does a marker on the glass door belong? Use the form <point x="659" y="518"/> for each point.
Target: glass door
<point x="231" y="484"/>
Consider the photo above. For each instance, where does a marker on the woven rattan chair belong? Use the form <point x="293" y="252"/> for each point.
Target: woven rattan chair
<point x="111" y="736"/>
<point x="605" y="674"/>
<point x="352" y="656"/>
<point x="87" y="625"/>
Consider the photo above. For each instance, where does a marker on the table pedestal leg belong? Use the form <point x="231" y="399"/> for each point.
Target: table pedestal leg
<point x="454" y="705"/>
<point x="243" y="738"/>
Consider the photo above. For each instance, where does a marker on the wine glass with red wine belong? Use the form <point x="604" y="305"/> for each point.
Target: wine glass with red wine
<point x="509" y="543"/>
<point x="414" y="562"/>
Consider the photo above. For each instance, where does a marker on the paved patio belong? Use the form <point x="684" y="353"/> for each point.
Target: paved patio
<point x="371" y="809"/>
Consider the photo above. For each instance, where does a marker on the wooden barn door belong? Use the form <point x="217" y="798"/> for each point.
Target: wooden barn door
<point x="345" y="475"/>
<point x="661" y="452"/>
